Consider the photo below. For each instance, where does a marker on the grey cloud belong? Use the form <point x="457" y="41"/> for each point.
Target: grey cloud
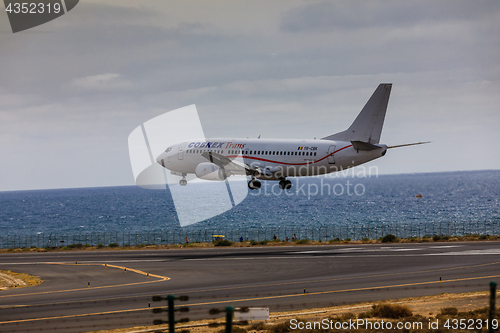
<point x="348" y="14"/>
<point x="78" y="92"/>
<point x="102" y="83"/>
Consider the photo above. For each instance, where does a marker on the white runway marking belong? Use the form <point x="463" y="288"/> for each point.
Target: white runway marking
<point x="305" y="252"/>
<point x="467" y="253"/>
<point x="79" y="262"/>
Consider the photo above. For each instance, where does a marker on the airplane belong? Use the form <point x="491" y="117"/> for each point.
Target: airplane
<point x="277" y="159"/>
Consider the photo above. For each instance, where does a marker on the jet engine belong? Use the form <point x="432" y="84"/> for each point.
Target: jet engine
<point x="210" y="171"/>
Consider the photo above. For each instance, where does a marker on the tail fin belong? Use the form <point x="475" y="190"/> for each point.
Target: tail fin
<point x="368" y="124"/>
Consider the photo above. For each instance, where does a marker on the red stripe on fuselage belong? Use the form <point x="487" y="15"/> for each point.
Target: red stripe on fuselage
<point x="264" y="160"/>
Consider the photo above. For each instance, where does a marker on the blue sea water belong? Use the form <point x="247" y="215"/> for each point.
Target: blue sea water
<point x="446" y="197"/>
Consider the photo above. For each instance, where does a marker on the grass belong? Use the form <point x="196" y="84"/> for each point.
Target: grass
<point x="392" y="311"/>
<point x="389" y="238"/>
<point x="30" y="280"/>
<point x="422" y="308"/>
<point x="224" y="242"/>
<point x="449" y="311"/>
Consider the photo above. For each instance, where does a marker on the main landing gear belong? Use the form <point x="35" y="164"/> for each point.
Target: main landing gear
<point x="254" y="184"/>
<point x="285" y="184"/>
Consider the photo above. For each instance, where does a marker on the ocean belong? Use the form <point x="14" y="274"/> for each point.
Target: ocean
<point x="461" y="197"/>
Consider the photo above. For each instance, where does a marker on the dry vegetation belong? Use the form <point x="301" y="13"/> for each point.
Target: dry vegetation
<point x="9" y="279"/>
<point x="251" y="243"/>
<point x="442" y="307"/>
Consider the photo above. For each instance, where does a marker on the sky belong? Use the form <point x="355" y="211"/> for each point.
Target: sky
<point x="73" y="89"/>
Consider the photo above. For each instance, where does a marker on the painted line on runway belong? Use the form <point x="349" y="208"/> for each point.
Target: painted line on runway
<point x="159" y="277"/>
<point x="346" y="278"/>
<point x="262" y="298"/>
<point x="72" y="316"/>
<point x="345" y="290"/>
<point x="82" y="262"/>
<point x="255" y="286"/>
<point x="361" y="255"/>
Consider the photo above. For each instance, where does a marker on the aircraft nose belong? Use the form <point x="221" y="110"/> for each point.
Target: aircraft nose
<point x="160" y="158"/>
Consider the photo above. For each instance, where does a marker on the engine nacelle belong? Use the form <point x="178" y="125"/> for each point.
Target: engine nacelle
<point x="209" y="171"/>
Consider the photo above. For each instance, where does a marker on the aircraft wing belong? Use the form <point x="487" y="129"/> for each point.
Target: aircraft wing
<point x="237" y="167"/>
<point x="227" y="164"/>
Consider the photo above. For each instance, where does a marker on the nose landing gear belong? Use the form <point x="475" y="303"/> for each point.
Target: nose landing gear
<point x="183" y="181"/>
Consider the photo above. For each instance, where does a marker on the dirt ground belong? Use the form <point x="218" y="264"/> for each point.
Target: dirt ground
<point x="9" y="279"/>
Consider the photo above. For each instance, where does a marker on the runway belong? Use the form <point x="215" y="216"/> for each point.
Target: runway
<point x="123" y="282"/>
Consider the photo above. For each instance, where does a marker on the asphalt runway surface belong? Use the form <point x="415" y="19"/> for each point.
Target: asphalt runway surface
<point x="123" y="282"/>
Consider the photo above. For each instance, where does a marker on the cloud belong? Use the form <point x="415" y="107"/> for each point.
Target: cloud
<point x="283" y="69"/>
<point x="102" y="82"/>
<point x="356" y="14"/>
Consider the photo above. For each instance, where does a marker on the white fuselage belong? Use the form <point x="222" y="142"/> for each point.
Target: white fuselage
<point x="293" y="158"/>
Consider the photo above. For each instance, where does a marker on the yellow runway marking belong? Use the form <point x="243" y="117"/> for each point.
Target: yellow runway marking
<point x="345" y="290"/>
<point x="261" y="298"/>
<point x="346" y="278"/>
<point x="164" y="278"/>
<point x="73" y="316"/>
<point x="159" y="277"/>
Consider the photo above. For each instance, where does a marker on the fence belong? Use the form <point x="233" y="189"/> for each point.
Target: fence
<point x="325" y="233"/>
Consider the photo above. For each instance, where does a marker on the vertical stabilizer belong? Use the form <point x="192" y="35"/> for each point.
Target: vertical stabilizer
<point x="368" y="124"/>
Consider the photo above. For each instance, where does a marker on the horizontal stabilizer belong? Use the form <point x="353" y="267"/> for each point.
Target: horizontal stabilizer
<point x="409" y="144"/>
<point x="361" y="145"/>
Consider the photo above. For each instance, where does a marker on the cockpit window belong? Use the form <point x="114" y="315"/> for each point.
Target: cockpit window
<point x="168" y="149"/>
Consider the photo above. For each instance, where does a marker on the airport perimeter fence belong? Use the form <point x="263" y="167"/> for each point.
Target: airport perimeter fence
<point x="325" y="233"/>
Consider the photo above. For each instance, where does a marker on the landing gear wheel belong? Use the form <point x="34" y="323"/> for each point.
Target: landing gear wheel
<point x="183" y="182"/>
<point x="254" y="184"/>
<point x="285" y="184"/>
